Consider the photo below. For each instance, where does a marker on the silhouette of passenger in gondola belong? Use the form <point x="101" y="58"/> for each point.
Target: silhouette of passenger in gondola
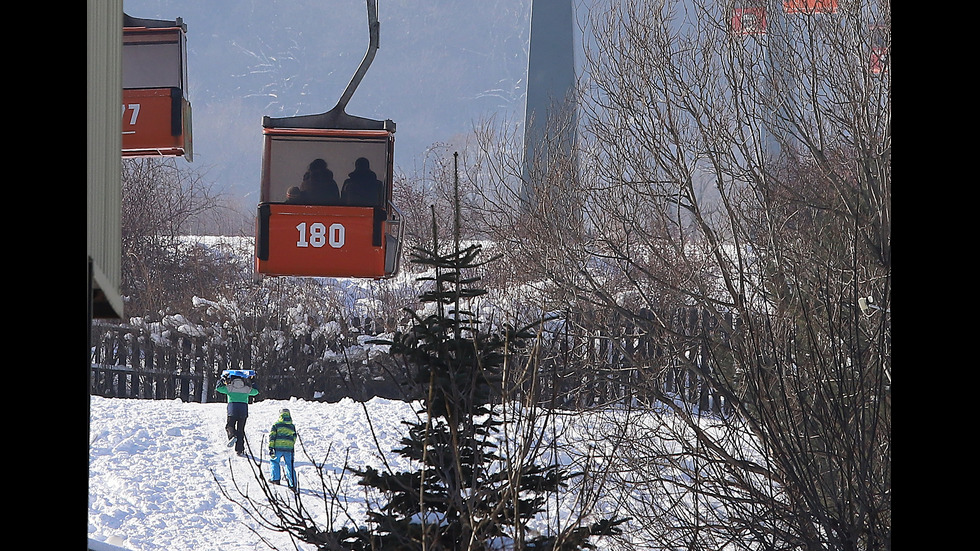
<point x="362" y="187"/>
<point x="318" y="187"/>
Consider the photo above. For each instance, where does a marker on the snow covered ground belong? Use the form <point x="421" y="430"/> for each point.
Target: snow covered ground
<point x="156" y="468"/>
<point x="159" y="470"/>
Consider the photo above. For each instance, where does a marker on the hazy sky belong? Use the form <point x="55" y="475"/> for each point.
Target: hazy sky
<point x="442" y="66"/>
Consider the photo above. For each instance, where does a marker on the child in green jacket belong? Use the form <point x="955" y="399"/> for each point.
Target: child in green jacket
<point x="282" y="439"/>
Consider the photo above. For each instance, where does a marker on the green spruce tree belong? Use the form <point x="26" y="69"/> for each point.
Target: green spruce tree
<point x="463" y="495"/>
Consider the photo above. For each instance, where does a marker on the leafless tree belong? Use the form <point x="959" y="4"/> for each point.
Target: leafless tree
<point x="744" y="177"/>
<point x="160" y="203"/>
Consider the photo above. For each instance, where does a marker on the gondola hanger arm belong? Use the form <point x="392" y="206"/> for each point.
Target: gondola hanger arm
<point x="374" y="31"/>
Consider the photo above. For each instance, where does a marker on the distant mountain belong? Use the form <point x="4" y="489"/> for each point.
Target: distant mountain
<point x="442" y="65"/>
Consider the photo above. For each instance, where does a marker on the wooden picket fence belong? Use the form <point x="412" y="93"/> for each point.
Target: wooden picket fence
<point x="627" y="363"/>
<point x="586" y="367"/>
<point x="131" y="362"/>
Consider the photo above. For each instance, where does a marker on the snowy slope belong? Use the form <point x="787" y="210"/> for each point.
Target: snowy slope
<point x="156" y="468"/>
<point x="159" y="470"/>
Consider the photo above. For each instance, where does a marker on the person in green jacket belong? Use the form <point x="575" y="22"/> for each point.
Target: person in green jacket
<point x="238" y="389"/>
<point x="282" y="439"/>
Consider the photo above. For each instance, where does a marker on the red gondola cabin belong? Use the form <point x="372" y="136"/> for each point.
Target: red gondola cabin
<point x="156" y="115"/>
<point x="325" y="206"/>
<point x="350" y="230"/>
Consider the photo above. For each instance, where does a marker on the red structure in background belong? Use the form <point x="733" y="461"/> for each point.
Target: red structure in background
<point x="810" y="6"/>
<point x="879" y="49"/>
<point x="749" y="18"/>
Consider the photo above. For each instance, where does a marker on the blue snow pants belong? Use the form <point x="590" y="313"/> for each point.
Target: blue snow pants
<point x="286" y="456"/>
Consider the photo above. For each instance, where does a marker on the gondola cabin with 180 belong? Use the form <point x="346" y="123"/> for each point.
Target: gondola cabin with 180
<point x="325" y="207"/>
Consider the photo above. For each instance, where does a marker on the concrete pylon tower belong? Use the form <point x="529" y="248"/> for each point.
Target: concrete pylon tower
<point x="550" y="115"/>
